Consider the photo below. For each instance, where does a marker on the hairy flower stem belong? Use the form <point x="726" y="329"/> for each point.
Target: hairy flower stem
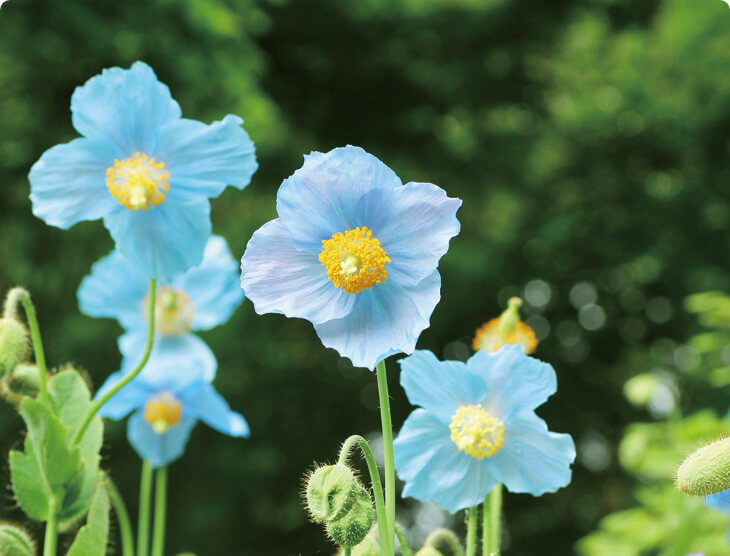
<point x="374" y="481"/>
<point x="471" y="530"/>
<point x="388" y="458"/>
<point x="158" y="535"/>
<point x="120" y="510"/>
<point x="51" y="537"/>
<point x="127" y="379"/>
<point x="143" y="523"/>
<point x="492" y="529"/>
<point x="20" y="295"/>
<point x="448" y="537"/>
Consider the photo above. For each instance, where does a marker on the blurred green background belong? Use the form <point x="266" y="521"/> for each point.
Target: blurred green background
<point x="587" y="138"/>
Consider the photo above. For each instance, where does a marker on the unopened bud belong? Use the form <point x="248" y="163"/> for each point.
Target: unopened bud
<point x="368" y="547"/>
<point x="15" y="541"/>
<point x="13" y="344"/>
<point x="428" y="551"/>
<point x="331" y="492"/>
<point x="706" y="470"/>
<point x="352" y="529"/>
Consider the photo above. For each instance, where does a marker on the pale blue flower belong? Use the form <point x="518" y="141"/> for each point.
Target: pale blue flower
<point x="355" y="252"/>
<point x="167" y="399"/>
<point x="477" y="427"/>
<point x="142" y="168"/>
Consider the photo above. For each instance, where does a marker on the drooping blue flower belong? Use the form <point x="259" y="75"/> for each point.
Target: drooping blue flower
<point x="142" y="168"/>
<point x="355" y="252"/>
<point x="477" y="427"/>
<point x="171" y="394"/>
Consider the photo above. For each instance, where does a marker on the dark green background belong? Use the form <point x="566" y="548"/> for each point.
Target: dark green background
<point x="587" y="138"/>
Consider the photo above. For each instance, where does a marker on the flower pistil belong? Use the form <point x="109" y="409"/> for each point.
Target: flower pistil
<point x="476" y="432"/>
<point x="163" y="412"/>
<point x="139" y="182"/>
<point x="354" y="260"/>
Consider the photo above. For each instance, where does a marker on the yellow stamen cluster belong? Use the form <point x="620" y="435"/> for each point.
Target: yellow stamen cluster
<point x="354" y="260"/>
<point x="138" y="183"/>
<point x="476" y="432"/>
<point x="174" y="312"/>
<point x="163" y="412"/>
<point x="507" y="329"/>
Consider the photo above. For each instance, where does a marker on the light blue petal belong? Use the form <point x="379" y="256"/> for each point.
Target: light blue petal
<point x="440" y="387"/>
<point x="278" y="278"/>
<point x="163" y="241"/>
<point x="213" y="286"/>
<point x="131" y="397"/>
<point x="114" y="289"/>
<point x="719" y="501"/>
<point x="203" y="402"/>
<point x="434" y="468"/>
<point x="532" y="459"/>
<point x="515" y="381"/>
<point x="321" y="198"/>
<point x="158" y="449"/>
<point x="68" y="183"/>
<point x="204" y="159"/>
<point x="124" y="107"/>
<point x="414" y="224"/>
<point x="175" y="361"/>
<point x="386" y="319"/>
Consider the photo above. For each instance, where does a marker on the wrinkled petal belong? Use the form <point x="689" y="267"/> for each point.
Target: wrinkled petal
<point x="212" y="286"/>
<point x="386" y="319"/>
<point x="278" y="278"/>
<point x="440" y="387"/>
<point x="414" y="224"/>
<point x="114" y="289"/>
<point x="158" y="449"/>
<point x="532" y="459"/>
<point x="514" y="380"/>
<point x="321" y="198"/>
<point x="68" y="183"/>
<point x="124" y="107"/>
<point x="719" y="501"/>
<point x="128" y="399"/>
<point x="204" y="159"/>
<point x="433" y="467"/>
<point x="163" y="241"/>
<point x="203" y="402"/>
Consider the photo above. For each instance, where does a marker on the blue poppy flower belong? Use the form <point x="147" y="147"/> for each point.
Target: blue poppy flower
<point x="170" y="395"/>
<point x="142" y="168"/>
<point x="355" y="252"/>
<point x="477" y="428"/>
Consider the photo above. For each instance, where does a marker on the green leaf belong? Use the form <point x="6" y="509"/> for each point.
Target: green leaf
<point x="92" y="538"/>
<point x="15" y="541"/>
<point x="29" y="491"/>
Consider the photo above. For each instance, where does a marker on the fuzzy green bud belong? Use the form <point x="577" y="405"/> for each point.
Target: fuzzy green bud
<point x="428" y="551"/>
<point x="706" y="470"/>
<point x="368" y="547"/>
<point x="352" y="529"/>
<point x="331" y="492"/>
<point x="15" y="541"/>
<point x="13" y="344"/>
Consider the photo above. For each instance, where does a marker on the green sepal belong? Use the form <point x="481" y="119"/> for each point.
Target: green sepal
<point x="92" y="538"/>
<point x="15" y="541"/>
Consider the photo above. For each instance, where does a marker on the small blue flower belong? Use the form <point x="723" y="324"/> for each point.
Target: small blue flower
<point x="477" y="428"/>
<point x="355" y="252"/>
<point x="142" y="168"/>
<point x="167" y="398"/>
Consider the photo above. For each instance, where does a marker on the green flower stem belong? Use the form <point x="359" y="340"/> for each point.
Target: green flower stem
<point x="125" y="525"/>
<point x="374" y="481"/>
<point x="448" y="537"/>
<point x="405" y="549"/>
<point x="127" y="379"/>
<point x="158" y="535"/>
<point x="143" y="523"/>
<point x="492" y="530"/>
<point x="387" y="456"/>
<point x="21" y="295"/>
<point x="348" y="551"/>
<point x="51" y="538"/>
<point x="471" y="530"/>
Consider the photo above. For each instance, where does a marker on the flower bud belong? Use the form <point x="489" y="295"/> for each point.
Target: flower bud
<point x="706" y="470"/>
<point x="352" y="529"/>
<point x="428" y="551"/>
<point x="15" y="541"/>
<point x="331" y="492"/>
<point x="13" y="344"/>
<point x="368" y="547"/>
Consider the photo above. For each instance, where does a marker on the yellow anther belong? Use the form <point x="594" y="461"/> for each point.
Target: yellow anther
<point x="507" y="329"/>
<point x="354" y="260"/>
<point x="476" y="432"/>
<point x="163" y="412"/>
<point x="138" y="183"/>
<point x="174" y="312"/>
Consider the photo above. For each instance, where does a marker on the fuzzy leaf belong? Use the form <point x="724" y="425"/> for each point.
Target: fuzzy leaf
<point x="92" y="538"/>
<point x="29" y="491"/>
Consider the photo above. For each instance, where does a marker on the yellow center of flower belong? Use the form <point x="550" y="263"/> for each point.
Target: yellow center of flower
<point x="354" y="260"/>
<point x="476" y="432"/>
<point x="174" y="312"/>
<point x="163" y="412"/>
<point x="138" y="183"/>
